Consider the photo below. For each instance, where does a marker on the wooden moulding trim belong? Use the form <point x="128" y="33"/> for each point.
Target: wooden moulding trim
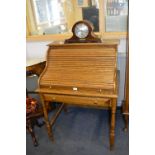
<point x="108" y="43"/>
<point x="52" y="37"/>
<point x="57" y="37"/>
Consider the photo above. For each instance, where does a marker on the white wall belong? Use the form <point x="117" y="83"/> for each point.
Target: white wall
<point x="36" y="49"/>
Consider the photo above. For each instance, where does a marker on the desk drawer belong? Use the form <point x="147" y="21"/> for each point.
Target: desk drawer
<point x="78" y="100"/>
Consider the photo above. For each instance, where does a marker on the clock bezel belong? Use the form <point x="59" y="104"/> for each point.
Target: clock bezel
<point x="88" y="24"/>
<point x="81" y="24"/>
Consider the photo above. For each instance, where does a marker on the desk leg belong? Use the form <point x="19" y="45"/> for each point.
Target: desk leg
<point x="126" y="118"/>
<point x="112" y="124"/>
<point x="50" y="134"/>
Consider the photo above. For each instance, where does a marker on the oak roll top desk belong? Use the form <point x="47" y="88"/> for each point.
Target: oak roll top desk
<point x="81" y="74"/>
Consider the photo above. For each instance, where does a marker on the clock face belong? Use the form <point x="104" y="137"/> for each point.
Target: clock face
<point x="81" y="30"/>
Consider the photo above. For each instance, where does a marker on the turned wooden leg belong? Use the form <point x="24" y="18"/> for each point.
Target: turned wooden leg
<point x="126" y="119"/>
<point x="112" y="124"/>
<point x="125" y="112"/>
<point x="29" y="127"/>
<point x="49" y="130"/>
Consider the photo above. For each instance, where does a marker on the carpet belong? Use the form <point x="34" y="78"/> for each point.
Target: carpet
<point x="81" y="131"/>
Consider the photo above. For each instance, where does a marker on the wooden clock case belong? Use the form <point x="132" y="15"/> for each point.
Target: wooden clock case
<point x="90" y="38"/>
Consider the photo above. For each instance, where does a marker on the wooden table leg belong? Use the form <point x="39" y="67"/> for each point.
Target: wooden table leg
<point x="49" y="130"/>
<point x="125" y="112"/>
<point x="112" y="124"/>
<point x="126" y="118"/>
<point x="30" y="127"/>
<point x="59" y="109"/>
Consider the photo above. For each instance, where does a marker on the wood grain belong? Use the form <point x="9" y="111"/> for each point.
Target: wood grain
<point x="82" y="75"/>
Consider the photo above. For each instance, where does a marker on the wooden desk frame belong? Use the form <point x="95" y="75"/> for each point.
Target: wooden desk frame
<point x="50" y="123"/>
<point x="104" y="101"/>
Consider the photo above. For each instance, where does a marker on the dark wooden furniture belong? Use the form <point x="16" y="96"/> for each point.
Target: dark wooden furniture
<point x="36" y="68"/>
<point x="80" y="74"/>
<point x="33" y="107"/>
<point x="31" y="119"/>
<point x="125" y="106"/>
<point x="89" y="38"/>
